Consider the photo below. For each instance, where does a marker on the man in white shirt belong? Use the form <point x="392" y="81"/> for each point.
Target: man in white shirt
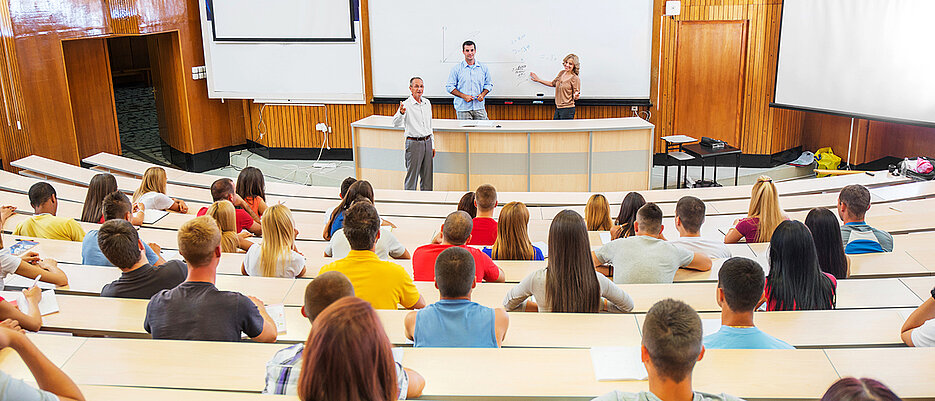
<point x="689" y="216"/>
<point x="415" y="115"/>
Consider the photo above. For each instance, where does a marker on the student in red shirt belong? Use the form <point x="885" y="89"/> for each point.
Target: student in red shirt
<point x="455" y="232"/>
<point x="485" y="227"/>
<point x="247" y="219"/>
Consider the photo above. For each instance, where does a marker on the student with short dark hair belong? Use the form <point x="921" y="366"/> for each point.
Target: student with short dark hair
<point x="484" y="231"/>
<point x="245" y="217"/>
<point x="119" y="242"/>
<point x="348" y="357"/>
<point x="740" y="283"/>
<point x="282" y="371"/>
<point x="115" y="205"/>
<point x="44" y="223"/>
<point x="646" y="257"/>
<point x="455" y="320"/>
<point x="795" y="281"/>
<point x="863" y="389"/>
<point x="387" y="245"/>
<point x="456" y="232"/>
<point x="568" y="283"/>
<point x="857" y="236"/>
<point x="689" y="216"/>
<point x="383" y="284"/>
<point x="28" y="265"/>
<point x="671" y="346"/>
<point x="196" y="309"/>
<point x="828" y="243"/>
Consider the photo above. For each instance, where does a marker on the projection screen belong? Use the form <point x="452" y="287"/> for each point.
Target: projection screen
<point x="870" y="59"/>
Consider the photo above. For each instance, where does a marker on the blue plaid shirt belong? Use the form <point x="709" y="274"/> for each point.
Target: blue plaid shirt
<point x="282" y="372"/>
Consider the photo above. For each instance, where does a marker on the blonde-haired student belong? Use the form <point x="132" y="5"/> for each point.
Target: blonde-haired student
<point x="276" y="256"/>
<point x="225" y="215"/>
<point x="763" y="216"/>
<point x="152" y="192"/>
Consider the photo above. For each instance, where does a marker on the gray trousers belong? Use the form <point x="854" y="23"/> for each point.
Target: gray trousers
<point x="472" y="114"/>
<point x="418" y="164"/>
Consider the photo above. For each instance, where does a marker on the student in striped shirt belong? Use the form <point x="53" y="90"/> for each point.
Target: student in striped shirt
<point x="858" y="236"/>
<point x="282" y="371"/>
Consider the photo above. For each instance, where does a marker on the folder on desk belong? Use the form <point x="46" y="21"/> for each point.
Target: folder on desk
<point x="151" y="216"/>
<point x="17" y="281"/>
<point x="617" y="363"/>
<point x="278" y="313"/>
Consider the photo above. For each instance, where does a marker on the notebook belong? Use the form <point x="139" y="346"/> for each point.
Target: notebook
<point x="278" y="313"/>
<point x="48" y="304"/>
<point x="617" y="363"/>
<point x="151" y="216"/>
<point x="15" y="280"/>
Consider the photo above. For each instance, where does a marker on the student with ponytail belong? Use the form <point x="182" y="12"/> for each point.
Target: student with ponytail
<point x="762" y="218"/>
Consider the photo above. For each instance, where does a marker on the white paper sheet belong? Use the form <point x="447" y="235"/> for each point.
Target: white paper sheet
<point x="617" y="363"/>
<point x="48" y="304"/>
<point x="605" y="237"/>
<point x="278" y="313"/>
<point x="151" y="216"/>
<point x="15" y="280"/>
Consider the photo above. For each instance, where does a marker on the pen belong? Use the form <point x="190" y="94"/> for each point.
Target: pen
<point x="36" y="281"/>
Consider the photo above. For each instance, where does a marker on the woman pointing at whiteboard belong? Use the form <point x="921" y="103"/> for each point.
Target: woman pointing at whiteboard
<point x="567" y="88"/>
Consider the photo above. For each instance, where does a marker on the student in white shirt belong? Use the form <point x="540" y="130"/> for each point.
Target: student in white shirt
<point x="152" y="192"/>
<point x="919" y="328"/>
<point x="415" y="115"/>
<point x="689" y="216"/>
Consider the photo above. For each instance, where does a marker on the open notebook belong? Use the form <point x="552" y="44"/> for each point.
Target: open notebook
<point x="618" y="363"/>
<point x="47" y="304"/>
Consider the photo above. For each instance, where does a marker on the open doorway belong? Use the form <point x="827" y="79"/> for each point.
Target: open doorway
<point x="134" y="98"/>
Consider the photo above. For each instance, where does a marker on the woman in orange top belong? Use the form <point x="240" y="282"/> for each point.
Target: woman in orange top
<point x="567" y="87"/>
<point x="252" y="188"/>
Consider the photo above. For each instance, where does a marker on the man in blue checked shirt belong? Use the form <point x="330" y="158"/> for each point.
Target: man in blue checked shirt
<point x="469" y="81"/>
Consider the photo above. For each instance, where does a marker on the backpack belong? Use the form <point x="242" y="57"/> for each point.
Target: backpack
<point x="918" y="169"/>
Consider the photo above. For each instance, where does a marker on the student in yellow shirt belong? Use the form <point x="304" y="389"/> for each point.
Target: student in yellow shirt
<point x="44" y="223"/>
<point x="383" y="284"/>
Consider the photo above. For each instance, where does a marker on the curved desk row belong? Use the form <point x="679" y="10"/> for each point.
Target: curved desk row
<point x="613" y="154"/>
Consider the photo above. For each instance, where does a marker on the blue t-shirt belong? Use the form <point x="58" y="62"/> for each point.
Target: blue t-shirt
<point x="91" y="252"/>
<point x="743" y="338"/>
<point x="455" y="323"/>
<point x="537" y="253"/>
<point x="338" y="223"/>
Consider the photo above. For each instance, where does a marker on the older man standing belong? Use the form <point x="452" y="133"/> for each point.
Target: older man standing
<point x="469" y="81"/>
<point x="415" y="114"/>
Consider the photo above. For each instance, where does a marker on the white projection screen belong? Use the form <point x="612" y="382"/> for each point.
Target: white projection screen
<point x="869" y="59"/>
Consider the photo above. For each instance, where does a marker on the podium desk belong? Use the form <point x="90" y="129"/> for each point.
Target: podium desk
<point x="599" y="155"/>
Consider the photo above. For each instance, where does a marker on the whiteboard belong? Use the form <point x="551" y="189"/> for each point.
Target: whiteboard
<point x="284" y="72"/>
<point x="862" y="58"/>
<point x="282" y="20"/>
<point x="612" y="38"/>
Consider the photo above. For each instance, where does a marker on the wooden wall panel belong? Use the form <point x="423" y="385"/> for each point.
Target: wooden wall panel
<point x="90" y="88"/>
<point x="872" y="139"/>
<point x="13" y="140"/>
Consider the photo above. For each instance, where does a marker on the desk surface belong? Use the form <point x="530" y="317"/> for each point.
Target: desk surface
<point x="522" y="126"/>
<point x="906" y="371"/>
<point x="113" y="393"/>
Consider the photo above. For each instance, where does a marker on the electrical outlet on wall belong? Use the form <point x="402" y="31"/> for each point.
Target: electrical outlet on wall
<point x="673" y="7"/>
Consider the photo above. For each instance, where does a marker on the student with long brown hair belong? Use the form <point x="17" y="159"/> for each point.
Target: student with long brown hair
<point x="152" y="192"/>
<point x="628" y="207"/>
<point x="101" y="185"/>
<point x="512" y="240"/>
<point x="251" y="186"/>
<point x="358" y="189"/>
<point x="348" y="357"/>
<point x="597" y="213"/>
<point x="276" y="256"/>
<point x="762" y="218"/>
<point x="224" y="214"/>
<point x="569" y="282"/>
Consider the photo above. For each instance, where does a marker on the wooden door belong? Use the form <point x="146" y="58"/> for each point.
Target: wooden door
<point x="91" y="93"/>
<point x="709" y="76"/>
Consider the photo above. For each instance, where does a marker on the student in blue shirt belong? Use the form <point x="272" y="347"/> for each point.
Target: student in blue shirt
<point x="739" y="291"/>
<point x="469" y="82"/>
<point x="116" y="205"/>
<point x="455" y="320"/>
<point x="858" y="236"/>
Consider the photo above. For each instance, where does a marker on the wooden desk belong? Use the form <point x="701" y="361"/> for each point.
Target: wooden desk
<point x="55" y="347"/>
<point x="828" y="328"/>
<point x="906" y="371"/>
<point x="171" y="364"/>
<point x="112" y="393"/>
<point x="568" y="373"/>
<point x="98" y="316"/>
<point x="921" y="286"/>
